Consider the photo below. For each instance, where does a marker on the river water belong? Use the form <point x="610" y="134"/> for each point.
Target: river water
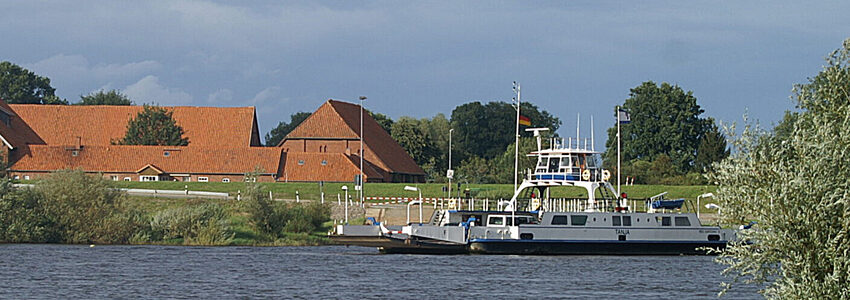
<point x="76" y="272"/>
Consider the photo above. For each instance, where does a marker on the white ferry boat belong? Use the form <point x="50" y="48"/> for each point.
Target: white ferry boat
<point x="604" y="223"/>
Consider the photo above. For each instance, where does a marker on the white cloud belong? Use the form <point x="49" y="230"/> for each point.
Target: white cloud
<point x="221" y="96"/>
<point x="149" y="90"/>
<point x="269" y="93"/>
<point x="72" y="68"/>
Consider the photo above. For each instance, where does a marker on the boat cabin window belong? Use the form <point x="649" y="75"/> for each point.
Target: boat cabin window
<point x="543" y="162"/>
<point x="553" y="164"/>
<point x="578" y="220"/>
<point x="615" y="220"/>
<point x="665" y="221"/>
<point x="565" y="162"/>
<point x="559" y="220"/>
<point x="581" y="160"/>
<point x="682" y="221"/>
<point x="591" y="163"/>
<point x="496" y="220"/>
<point x="627" y="221"/>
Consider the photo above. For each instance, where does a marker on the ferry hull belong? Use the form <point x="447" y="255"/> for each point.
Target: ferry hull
<point x="392" y="245"/>
<point x="544" y="247"/>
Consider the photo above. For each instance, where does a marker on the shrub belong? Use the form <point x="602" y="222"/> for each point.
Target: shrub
<point x="205" y="224"/>
<point x="22" y="219"/>
<point x="85" y="208"/>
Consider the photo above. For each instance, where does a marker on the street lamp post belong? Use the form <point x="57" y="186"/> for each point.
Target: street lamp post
<point x="706" y="195"/>
<point x="450" y="173"/>
<point x="345" y="188"/>
<point x="361" y="149"/>
<point x="414" y="189"/>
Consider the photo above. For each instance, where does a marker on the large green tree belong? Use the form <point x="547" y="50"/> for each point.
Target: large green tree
<point x="712" y="148"/>
<point x="418" y="143"/>
<point x="154" y="125"/>
<point x="484" y="130"/>
<point x="664" y="120"/>
<point x="19" y="85"/>
<point x="111" y="97"/>
<point x="796" y="188"/>
<point x="283" y="128"/>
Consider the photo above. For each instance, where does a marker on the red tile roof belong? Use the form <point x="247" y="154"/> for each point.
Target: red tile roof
<point x="210" y="127"/>
<point x="130" y="159"/>
<point x="341" y="120"/>
<point x="337" y="167"/>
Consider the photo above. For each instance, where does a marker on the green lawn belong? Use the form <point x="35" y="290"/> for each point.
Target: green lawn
<point x="307" y="190"/>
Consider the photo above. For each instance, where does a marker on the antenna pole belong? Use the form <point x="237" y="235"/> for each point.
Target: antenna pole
<point x="619" y="171"/>
<point x="516" y="151"/>
<point x="592" y="135"/>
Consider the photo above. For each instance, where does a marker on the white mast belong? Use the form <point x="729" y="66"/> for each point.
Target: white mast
<point x="516" y="150"/>
<point x="619" y="171"/>
<point x="578" y="125"/>
<point x="592" y="136"/>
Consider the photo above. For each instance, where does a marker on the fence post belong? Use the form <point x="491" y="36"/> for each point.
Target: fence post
<point x="297" y="197"/>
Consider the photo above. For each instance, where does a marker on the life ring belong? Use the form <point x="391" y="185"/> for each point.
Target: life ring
<point x="585" y="174"/>
<point x="605" y="175"/>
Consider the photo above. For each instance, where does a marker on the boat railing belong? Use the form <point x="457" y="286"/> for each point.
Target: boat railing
<point x="550" y="205"/>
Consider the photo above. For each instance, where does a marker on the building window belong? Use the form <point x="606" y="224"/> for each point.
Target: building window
<point x="17" y="177"/>
<point x="128" y="179"/>
<point x="225" y="180"/>
<point x="300" y="162"/>
<point x="148" y="178"/>
<point x="324" y="162"/>
<point x="114" y="177"/>
<point x="26" y="177"/>
<point x="166" y="153"/>
<point x="203" y="179"/>
<point x="187" y="178"/>
<point x="75" y="153"/>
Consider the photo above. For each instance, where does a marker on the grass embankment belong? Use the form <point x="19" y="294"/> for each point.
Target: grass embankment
<point x="311" y="190"/>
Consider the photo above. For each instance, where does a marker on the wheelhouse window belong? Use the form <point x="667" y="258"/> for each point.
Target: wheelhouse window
<point x="578" y="220"/>
<point x="615" y="220"/>
<point x="559" y="220"/>
<point x="683" y="221"/>
<point x="496" y="220"/>
<point x="627" y="221"/>
<point x="553" y="164"/>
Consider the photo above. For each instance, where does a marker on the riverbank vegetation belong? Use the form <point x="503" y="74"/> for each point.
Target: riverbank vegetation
<point x="794" y="183"/>
<point x="75" y="208"/>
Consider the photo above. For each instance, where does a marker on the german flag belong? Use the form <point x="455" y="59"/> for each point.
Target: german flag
<point x="523" y="120"/>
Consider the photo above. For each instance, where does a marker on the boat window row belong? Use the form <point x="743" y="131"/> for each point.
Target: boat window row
<point x="621" y="221"/>
<point x="506" y="220"/>
<point x="562" y="164"/>
<point x="679" y="221"/>
<point x="575" y="220"/>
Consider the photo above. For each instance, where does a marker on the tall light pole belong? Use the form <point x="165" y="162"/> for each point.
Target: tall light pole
<point x="450" y="173"/>
<point x="361" y="148"/>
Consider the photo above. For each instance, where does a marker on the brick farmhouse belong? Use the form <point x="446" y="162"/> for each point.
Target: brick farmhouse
<point x="224" y="145"/>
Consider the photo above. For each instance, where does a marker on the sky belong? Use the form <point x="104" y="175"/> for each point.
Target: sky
<point x="421" y="58"/>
